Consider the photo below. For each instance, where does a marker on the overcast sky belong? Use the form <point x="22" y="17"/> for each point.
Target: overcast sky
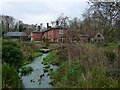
<point x="36" y="12"/>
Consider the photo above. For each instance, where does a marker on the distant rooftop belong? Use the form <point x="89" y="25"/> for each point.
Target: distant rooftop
<point x="16" y="34"/>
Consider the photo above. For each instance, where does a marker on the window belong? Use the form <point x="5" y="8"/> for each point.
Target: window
<point x="98" y="35"/>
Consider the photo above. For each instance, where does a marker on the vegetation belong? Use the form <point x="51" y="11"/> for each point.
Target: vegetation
<point x="51" y="58"/>
<point x="12" y="59"/>
<point x="47" y="66"/>
<point x="44" y="62"/>
<point x="9" y="50"/>
<point x="16" y="54"/>
<point x="76" y="76"/>
<point x="26" y="70"/>
<point x="87" y="66"/>
<point x="46" y="70"/>
<point x="108" y="44"/>
<point x="10" y="78"/>
<point x="38" y="54"/>
<point x="25" y="62"/>
<point x="29" y="49"/>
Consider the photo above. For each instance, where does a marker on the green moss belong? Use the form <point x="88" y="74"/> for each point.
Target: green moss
<point x="41" y="75"/>
<point x="26" y="70"/>
<point x="46" y="70"/>
<point x="51" y="69"/>
<point x="47" y="66"/>
<point x="44" y="62"/>
<point x="52" y="58"/>
<point x="37" y="54"/>
<point x="26" y="62"/>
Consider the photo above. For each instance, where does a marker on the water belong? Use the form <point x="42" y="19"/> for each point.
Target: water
<point x="33" y="80"/>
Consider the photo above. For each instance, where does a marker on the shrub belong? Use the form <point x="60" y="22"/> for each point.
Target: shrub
<point x="10" y="78"/>
<point x="28" y="50"/>
<point x="111" y="55"/>
<point x="12" y="55"/>
<point x="10" y="43"/>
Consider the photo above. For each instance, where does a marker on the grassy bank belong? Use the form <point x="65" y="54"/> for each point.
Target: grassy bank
<point x="16" y="55"/>
<point x="87" y="66"/>
<point x="37" y="54"/>
<point x="51" y="58"/>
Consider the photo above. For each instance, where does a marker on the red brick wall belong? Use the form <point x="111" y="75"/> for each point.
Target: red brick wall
<point x="37" y="35"/>
<point x="55" y="32"/>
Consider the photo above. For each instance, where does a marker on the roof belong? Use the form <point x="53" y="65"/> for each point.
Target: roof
<point x="59" y="27"/>
<point x="36" y="31"/>
<point x="44" y="29"/>
<point x="55" y="27"/>
<point x="59" y="36"/>
<point x="50" y="38"/>
<point x="41" y="30"/>
<point x="84" y="35"/>
<point x="101" y="36"/>
<point x="16" y="34"/>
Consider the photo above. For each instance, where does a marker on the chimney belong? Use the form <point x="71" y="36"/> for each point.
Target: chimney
<point x="57" y="22"/>
<point x="39" y="28"/>
<point x="47" y="25"/>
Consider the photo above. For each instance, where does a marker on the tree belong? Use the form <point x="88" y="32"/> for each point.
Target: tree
<point x="63" y="20"/>
<point x="75" y="24"/>
<point x="103" y="16"/>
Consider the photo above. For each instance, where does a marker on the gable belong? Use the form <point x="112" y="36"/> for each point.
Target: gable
<point x="99" y="36"/>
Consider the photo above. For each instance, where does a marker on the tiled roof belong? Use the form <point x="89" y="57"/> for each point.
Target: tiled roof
<point x="58" y="36"/>
<point x="84" y="35"/>
<point x="36" y="31"/>
<point x="55" y="27"/>
<point x="16" y="34"/>
<point x="59" y="27"/>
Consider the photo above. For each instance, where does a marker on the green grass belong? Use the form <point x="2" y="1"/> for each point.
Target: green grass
<point x="10" y="77"/>
<point x="44" y="62"/>
<point x="46" y="70"/>
<point x="75" y="75"/>
<point x="51" y="58"/>
<point x="47" y="66"/>
<point x="25" y="62"/>
<point x="37" y="54"/>
<point x="108" y="44"/>
<point x="26" y="70"/>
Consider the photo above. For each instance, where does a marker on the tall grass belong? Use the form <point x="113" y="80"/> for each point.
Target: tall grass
<point x="88" y="67"/>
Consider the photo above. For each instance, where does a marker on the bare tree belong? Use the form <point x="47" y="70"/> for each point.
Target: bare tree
<point x="103" y="16"/>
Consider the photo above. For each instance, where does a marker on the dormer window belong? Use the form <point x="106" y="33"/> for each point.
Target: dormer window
<point x="98" y="35"/>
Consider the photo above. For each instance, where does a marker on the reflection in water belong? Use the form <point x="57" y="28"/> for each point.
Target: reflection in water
<point x="33" y="80"/>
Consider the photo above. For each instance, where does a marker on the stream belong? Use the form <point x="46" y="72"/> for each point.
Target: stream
<point x="32" y="80"/>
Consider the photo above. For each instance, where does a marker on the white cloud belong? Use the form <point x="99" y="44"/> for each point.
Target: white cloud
<point x="44" y="11"/>
<point x="44" y="0"/>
